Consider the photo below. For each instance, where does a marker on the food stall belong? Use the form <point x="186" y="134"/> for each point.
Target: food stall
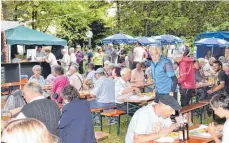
<point x="26" y="40"/>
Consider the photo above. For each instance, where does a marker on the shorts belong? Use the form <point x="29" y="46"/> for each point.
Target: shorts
<point x="186" y="95"/>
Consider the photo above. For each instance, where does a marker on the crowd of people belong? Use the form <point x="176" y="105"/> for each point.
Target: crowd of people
<point x="109" y="76"/>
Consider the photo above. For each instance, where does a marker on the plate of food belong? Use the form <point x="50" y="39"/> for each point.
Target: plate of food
<point x="202" y="131"/>
<point x="165" y="140"/>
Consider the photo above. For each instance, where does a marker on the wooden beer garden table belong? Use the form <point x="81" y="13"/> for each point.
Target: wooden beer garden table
<point x="141" y="84"/>
<point x="193" y="139"/>
<point x="134" y="103"/>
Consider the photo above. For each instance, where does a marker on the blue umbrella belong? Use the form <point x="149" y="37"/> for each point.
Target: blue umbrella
<point x="147" y="40"/>
<point x="210" y="42"/>
<point x="119" y="38"/>
<point x="168" y="39"/>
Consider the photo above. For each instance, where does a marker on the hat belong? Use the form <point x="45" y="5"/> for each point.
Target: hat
<point x="106" y="62"/>
<point x="99" y="70"/>
<point x="170" y="101"/>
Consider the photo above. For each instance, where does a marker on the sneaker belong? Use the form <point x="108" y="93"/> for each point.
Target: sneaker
<point x="112" y="121"/>
<point x="97" y="124"/>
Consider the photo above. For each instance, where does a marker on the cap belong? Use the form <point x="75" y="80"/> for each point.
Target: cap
<point x="170" y="101"/>
<point x="99" y="70"/>
<point x="106" y="62"/>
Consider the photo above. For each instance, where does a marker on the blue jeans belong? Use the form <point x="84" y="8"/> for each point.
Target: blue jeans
<point x="96" y="104"/>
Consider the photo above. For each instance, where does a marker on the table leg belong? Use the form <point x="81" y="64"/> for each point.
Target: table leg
<point x="127" y="113"/>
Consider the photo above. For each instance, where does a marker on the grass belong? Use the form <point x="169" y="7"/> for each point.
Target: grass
<point x="113" y="138"/>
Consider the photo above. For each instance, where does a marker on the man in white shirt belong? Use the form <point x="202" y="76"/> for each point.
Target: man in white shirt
<point x="139" y="54"/>
<point x="122" y="87"/>
<point x="75" y="78"/>
<point x="153" y="121"/>
<point x="65" y="61"/>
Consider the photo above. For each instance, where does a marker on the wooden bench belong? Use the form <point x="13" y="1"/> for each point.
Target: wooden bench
<point x="192" y="107"/>
<point x="113" y="113"/>
<point x="98" y="111"/>
<point x="101" y="136"/>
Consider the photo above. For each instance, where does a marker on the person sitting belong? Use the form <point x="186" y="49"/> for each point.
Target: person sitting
<point x="59" y="83"/>
<point x="106" y="63"/>
<point x="14" y="103"/>
<point x="27" y="131"/>
<point x="153" y="121"/>
<point x="40" y="108"/>
<point x="115" y="75"/>
<point x="75" y="78"/>
<point x="75" y="122"/>
<point x="137" y="75"/>
<point x="222" y="85"/>
<point x="90" y="77"/>
<point x="226" y="68"/>
<point x="123" y="87"/>
<point x="50" y="78"/>
<point x="103" y="91"/>
<point x="206" y="66"/>
<point x="219" y="104"/>
<point x="37" y="75"/>
<point x="199" y="76"/>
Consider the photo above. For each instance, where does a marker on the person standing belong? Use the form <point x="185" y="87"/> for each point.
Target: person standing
<point x="72" y="56"/>
<point x="79" y="58"/>
<point x="186" y="79"/>
<point x="163" y="74"/>
<point x="98" y="58"/>
<point x="89" y="55"/>
<point x="65" y="61"/>
<point x="50" y="58"/>
<point x="39" y="52"/>
<point x="139" y="54"/>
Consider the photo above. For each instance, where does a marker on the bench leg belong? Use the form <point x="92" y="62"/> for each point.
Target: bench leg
<point x="201" y="115"/>
<point x="118" y="126"/>
<point x="101" y="121"/>
<point x="109" y="125"/>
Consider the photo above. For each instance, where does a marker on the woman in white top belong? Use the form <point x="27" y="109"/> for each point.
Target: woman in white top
<point x="72" y="56"/>
<point x="50" y="58"/>
<point x="65" y="61"/>
<point x="220" y="105"/>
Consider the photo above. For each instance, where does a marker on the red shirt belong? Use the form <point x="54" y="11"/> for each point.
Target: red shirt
<point x="58" y="86"/>
<point x="187" y="73"/>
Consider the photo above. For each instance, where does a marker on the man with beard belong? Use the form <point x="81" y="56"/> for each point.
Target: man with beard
<point x="222" y="85"/>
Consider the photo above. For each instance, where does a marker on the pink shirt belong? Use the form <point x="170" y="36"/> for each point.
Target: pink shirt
<point x="58" y="86"/>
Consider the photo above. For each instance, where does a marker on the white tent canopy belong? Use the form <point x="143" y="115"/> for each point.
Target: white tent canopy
<point x="5" y="25"/>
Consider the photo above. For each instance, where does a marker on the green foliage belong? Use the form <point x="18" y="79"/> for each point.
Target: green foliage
<point x="137" y="18"/>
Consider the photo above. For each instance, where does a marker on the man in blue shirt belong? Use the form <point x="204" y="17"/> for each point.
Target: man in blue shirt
<point x="163" y="74"/>
<point x="103" y="91"/>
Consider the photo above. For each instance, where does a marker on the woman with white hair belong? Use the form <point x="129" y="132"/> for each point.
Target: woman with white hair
<point x="37" y="75"/>
<point x="50" y="58"/>
<point x="72" y="56"/>
<point x="226" y="68"/>
<point x="65" y="61"/>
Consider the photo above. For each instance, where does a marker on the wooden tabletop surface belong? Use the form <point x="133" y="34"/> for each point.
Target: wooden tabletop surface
<point x="193" y="139"/>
